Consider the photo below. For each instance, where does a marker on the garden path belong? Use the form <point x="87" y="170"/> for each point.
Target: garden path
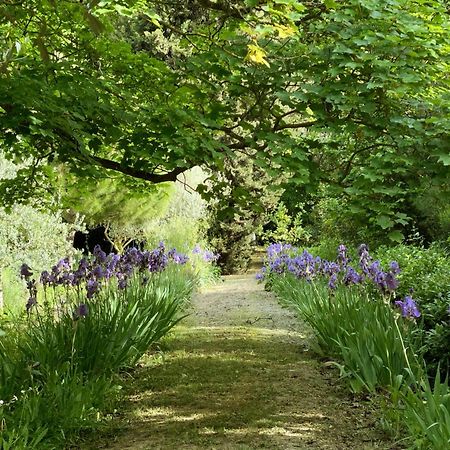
<point x="238" y="374"/>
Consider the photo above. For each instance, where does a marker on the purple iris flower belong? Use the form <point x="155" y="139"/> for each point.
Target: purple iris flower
<point x="210" y="256"/>
<point x="81" y="311"/>
<point x="67" y="278"/>
<point x="177" y="258"/>
<point x="133" y="256"/>
<point x="99" y="254"/>
<point x="122" y="283"/>
<point x="351" y="276"/>
<point x="30" y="303"/>
<point x="92" y="287"/>
<point x="364" y="258"/>
<point x="98" y="272"/>
<point x="25" y="271"/>
<point x="379" y="278"/>
<point x="112" y="264"/>
<point x="408" y="307"/>
<point x="332" y="281"/>
<point x="63" y="264"/>
<point x="395" y="268"/>
<point x="342" y="255"/>
<point x="391" y="282"/>
<point x="46" y="278"/>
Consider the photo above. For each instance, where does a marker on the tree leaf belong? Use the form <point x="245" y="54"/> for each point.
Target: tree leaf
<point x="444" y="158"/>
<point x="94" y="22"/>
<point x="384" y="222"/>
<point x="396" y="236"/>
<point x="256" y="54"/>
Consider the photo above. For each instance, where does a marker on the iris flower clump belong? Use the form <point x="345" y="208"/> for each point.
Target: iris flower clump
<point x="91" y="274"/>
<point x="284" y="258"/>
<point x="205" y="254"/>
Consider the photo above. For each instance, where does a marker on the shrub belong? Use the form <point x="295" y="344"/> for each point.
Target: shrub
<point x="427" y="273"/>
<point x="27" y="234"/>
<point x="282" y="227"/>
<point x="425" y="270"/>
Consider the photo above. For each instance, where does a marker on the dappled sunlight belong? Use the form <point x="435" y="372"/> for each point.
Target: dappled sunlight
<point x="239" y="386"/>
<point x="161" y="415"/>
<point x="241" y="332"/>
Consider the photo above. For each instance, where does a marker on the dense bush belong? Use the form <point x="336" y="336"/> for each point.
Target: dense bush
<point x="27" y="234"/>
<point x="283" y="227"/>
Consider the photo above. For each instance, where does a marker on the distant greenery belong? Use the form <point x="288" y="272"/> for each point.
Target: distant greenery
<point x="126" y="213"/>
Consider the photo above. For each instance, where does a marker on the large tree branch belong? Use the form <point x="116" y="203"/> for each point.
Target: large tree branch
<point x="348" y="163"/>
<point x="137" y="173"/>
<point x="286" y="126"/>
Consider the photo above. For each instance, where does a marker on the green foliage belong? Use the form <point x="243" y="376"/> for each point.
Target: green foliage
<point x="362" y="332"/>
<point x="39" y="238"/>
<point x="182" y="224"/>
<point x="432" y="209"/>
<point x="375" y="348"/>
<point x="426" y="414"/>
<point x="68" y="402"/>
<point x="126" y="213"/>
<point x="120" y="326"/>
<point x="13" y="290"/>
<point x="152" y="89"/>
<point x="281" y="227"/>
<point x="238" y="211"/>
<point x="427" y="272"/>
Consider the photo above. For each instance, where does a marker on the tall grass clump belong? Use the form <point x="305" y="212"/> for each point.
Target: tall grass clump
<point x="83" y="324"/>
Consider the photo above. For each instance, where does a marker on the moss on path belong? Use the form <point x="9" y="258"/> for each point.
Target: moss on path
<point x="237" y="374"/>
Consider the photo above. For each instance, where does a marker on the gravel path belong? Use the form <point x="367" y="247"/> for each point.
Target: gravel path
<point x="238" y="374"/>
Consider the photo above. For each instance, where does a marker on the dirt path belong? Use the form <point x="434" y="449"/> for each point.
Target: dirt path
<point x="237" y="374"/>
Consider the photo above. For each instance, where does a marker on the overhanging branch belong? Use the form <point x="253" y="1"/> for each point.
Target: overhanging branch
<point x="285" y="126"/>
<point x="137" y="173"/>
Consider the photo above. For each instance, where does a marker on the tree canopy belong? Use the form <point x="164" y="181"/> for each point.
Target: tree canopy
<point x="351" y="93"/>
